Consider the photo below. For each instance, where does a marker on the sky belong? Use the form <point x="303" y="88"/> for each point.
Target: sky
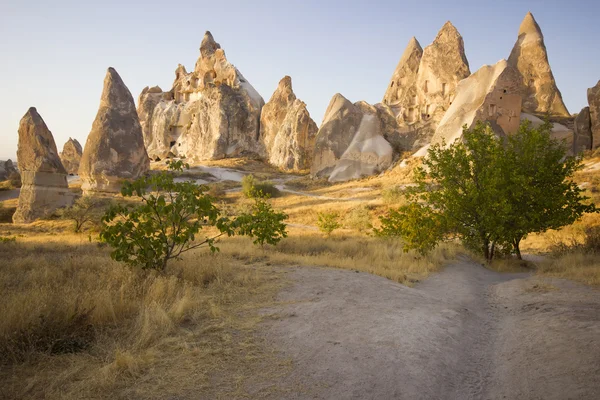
<point x="54" y="54"/>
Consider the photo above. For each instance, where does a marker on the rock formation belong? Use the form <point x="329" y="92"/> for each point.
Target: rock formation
<point x="350" y="142"/>
<point x="403" y="85"/>
<point x="530" y="58"/>
<point x="71" y="156"/>
<point x="210" y="113"/>
<point x="115" y="146"/>
<point x="593" y="95"/>
<point x="583" y="131"/>
<point x="7" y="168"/>
<point x="286" y="129"/>
<point x="423" y="85"/>
<point x="558" y="131"/>
<point x="44" y="179"/>
<point x="147" y="102"/>
<point x="491" y="94"/>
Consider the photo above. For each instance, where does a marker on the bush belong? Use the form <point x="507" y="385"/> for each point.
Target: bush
<point x="328" y="222"/>
<point x="358" y="219"/>
<point x="172" y="213"/>
<point x="392" y="194"/>
<point x="15" y="180"/>
<point x="86" y="210"/>
<point x="252" y="188"/>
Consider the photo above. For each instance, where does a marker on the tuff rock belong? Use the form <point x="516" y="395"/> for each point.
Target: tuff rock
<point x="530" y="58"/>
<point x="583" y="131"/>
<point x="287" y="130"/>
<point x="593" y="95"/>
<point x="210" y="113"/>
<point x="44" y="179"/>
<point x="492" y="94"/>
<point x="71" y="156"/>
<point x="424" y="83"/>
<point x="350" y="142"/>
<point x="114" y="149"/>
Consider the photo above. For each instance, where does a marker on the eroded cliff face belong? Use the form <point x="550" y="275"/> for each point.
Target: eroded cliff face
<point x="423" y="85"/>
<point x="44" y="179"/>
<point x="210" y="113"/>
<point x="287" y="130"/>
<point x="114" y="149"/>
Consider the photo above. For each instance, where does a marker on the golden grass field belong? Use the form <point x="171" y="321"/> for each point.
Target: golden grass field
<point x="76" y="324"/>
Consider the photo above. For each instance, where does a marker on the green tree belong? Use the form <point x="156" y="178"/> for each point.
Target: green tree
<point x="171" y="215"/>
<point x="86" y="210"/>
<point x="538" y="185"/>
<point x="490" y="192"/>
<point x="328" y="222"/>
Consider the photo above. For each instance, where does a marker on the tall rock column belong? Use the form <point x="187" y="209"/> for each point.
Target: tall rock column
<point x="530" y="58"/>
<point x="115" y="146"/>
<point x="287" y="129"/>
<point x="593" y="95"/>
<point x="71" y="156"/>
<point x="44" y="179"/>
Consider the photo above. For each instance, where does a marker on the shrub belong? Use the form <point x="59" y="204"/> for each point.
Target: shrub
<point x="252" y="188"/>
<point x="328" y="222"/>
<point x="393" y="194"/>
<point x="172" y="213"/>
<point x="358" y="219"/>
<point x="15" y="180"/>
<point x="86" y="210"/>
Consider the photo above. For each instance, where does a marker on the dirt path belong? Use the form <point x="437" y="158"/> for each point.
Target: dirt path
<point x="465" y="333"/>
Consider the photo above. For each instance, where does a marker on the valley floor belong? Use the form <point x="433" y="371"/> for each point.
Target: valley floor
<point x="464" y="333"/>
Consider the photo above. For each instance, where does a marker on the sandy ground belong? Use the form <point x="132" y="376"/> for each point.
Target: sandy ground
<point x="465" y="333"/>
<point x="9" y="194"/>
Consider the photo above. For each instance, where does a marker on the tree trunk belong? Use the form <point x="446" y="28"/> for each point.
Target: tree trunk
<point x="493" y="251"/>
<point x="486" y="250"/>
<point x="516" y="243"/>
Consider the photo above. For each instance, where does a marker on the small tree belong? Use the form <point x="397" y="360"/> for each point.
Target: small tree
<point x="328" y="222"/>
<point x="418" y="225"/>
<point x="171" y="214"/>
<point x="85" y="210"/>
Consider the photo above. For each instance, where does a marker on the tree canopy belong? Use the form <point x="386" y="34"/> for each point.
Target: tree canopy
<point x="490" y="191"/>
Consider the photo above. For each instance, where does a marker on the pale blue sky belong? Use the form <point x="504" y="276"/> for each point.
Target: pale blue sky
<point x="54" y="54"/>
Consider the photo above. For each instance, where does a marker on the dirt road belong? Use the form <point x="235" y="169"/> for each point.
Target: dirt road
<point x="465" y="333"/>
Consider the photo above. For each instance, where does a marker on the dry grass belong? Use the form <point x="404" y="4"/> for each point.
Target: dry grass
<point x="347" y="251"/>
<point x="577" y="266"/>
<point x="76" y="324"/>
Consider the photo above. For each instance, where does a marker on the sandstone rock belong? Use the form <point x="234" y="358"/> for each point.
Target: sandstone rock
<point x="287" y="130"/>
<point x="491" y="94"/>
<point x="423" y="85"/>
<point x="210" y="113"/>
<point x="71" y="156"/>
<point x="529" y="56"/>
<point x="44" y="179"/>
<point x="367" y="154"/>
<point x="593" y="95"/>
<point x="583" y="131"/>
<point x="115" y="146"/>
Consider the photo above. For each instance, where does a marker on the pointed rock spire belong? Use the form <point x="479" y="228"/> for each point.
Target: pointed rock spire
<point x="115" y="146"/>
<point x="405" y="75"/>
<point x="44" y="179"/>
<point x="71" y="156"/>
<point x="530" y="58"/>
<point x="286" y="129"/>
